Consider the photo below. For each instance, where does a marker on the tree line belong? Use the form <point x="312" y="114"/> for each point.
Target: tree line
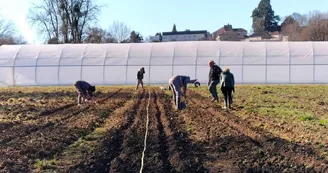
<point x="9" y="33"/>
<point x="69" y="21"/>
<point x="298" y="27"/>
<point x="74" y="21"/>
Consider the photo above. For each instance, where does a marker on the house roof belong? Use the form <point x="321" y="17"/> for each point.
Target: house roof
<point x="223" y="30"/>
<point x="219" y="31"/>
<point x="185" y="32"/>
<point x="274" y="33"/>
<point x="239" y="29"/>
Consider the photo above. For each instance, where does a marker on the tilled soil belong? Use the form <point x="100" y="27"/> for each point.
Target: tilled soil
<point x="252" y="149"/>
<point x="21" y="151"/>
<point x="109" y="137"/>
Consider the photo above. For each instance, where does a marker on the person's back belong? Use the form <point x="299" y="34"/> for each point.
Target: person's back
<point x="227" y="79"/>
<point x="84" y="90"/>
<point x="227" y="83"/>
<point x="83" y="85"/>
<point x="176" y="83"/>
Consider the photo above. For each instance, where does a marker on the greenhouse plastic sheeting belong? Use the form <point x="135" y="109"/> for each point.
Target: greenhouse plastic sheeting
<point x="117" y="64"/>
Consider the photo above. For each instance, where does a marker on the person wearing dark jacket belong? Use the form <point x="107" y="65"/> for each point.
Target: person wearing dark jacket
<point x="84" y="90"/>
<point x="227" y="85"/>
<point x="214" y="79"/>
<point x="140" y="76"/>
<point x="178" y="85"/>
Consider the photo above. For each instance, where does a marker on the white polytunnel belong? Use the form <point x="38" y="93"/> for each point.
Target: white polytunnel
<point x="117" y="64"/>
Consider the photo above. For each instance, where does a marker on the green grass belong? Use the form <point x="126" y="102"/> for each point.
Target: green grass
<point x="43" y="164"/>
<point x="323" y="122"/>
<point x="296" y="113"/>
<point x="295" y="102"/>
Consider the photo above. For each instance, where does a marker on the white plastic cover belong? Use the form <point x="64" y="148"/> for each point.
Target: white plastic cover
<point x="117" y="64"/>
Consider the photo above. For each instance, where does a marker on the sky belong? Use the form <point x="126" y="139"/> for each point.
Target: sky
<point x="151" y="16"/>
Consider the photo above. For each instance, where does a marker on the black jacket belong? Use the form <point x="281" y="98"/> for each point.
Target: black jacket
<point x="84" y="87"/>
<point x="227" y="79"/>
<point x="140" y="75"/>
<point x="215" y="73"/>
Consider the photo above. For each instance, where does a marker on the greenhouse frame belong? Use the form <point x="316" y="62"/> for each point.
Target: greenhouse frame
<point x="117" y="64"/>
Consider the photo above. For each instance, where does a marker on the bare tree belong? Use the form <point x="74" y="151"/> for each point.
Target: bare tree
<point x="46" y="17"/>
<point x="318" y="26"/>
<point x="63" y="21"/>
<point x="301" y="19"/>
<point x="293" y="31"/>
<point x="98" y="35"/>
<point x="291" y="28"/>
<point x="305" y="33"/>
<point x="120" y="31"/>
<point x="7" y="28"/>
<point x="9" y="33"/>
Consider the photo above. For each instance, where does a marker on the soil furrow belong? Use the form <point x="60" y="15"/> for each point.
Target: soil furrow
<point x="111" y="146"/>
<point x="156" y="154"/>
<point x="185" y="154"/>
<point x="47" y="142"/>
<point x="163" y="141"/>
<point x="270" y="148"/>
<point x="55" y="118"/>
<point x="129" y="159"/>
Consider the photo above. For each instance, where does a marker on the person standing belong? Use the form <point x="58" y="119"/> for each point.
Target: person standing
<point x="214" y="80"/>
<point x="140" y="76"/>
<point x="227" y="85"/>
<point x="84" y="90"/>
<point x="178" y="85"/>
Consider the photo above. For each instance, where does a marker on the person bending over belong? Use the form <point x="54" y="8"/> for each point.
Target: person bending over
<point x="178" y="85"/>
<point x="84" y="90"/>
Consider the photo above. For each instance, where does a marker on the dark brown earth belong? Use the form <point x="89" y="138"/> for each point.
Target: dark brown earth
<point x="109" y="136"/>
